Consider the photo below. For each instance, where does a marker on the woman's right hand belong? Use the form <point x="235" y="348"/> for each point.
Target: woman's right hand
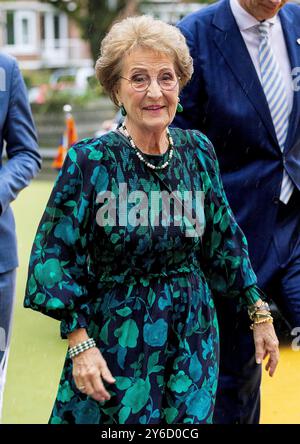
<point x="89" y="371"/>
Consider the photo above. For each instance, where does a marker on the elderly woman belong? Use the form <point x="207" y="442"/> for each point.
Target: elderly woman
<point x="136" y="239"/>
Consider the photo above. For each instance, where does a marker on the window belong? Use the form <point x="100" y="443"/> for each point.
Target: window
<point x="21" y="30"/>
<point x="42" y="26"/>
<point x="56" y="30"/>
<point x="56" y="27"/>
<point x="25" y="31"/>
<point x="10" y="28"/>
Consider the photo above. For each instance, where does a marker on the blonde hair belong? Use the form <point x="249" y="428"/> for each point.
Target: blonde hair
<point x="136" y="32"/>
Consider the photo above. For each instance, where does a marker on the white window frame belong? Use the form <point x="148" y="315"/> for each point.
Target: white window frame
<point x="49" y="28"/>
<point x="49" y="49"/>
<point x="19" y="46"/>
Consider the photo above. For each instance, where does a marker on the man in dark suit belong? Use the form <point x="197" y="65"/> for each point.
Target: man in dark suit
<point x="245" y="97"/>
<point x="18" y="137"/>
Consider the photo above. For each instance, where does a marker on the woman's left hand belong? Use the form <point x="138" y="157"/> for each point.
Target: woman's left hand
<point x="266" y="343"/>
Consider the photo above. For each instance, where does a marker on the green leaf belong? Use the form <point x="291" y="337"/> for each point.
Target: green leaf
<point x="32" y="287"/>
<point x="104" y="333"/>
<point x="206" y="182"/>
<point x="170" y="414"/>
<point x="70" y="203"/>
<point x="123" y="383"/>
<point x="55" y="304"/>
<point x="145" y="281"/>
<point x="199" y="316"/>
<point x="73" y="155"/>
<point x="231" y="279"/>
<point x="224" y="222"/>
<point x="143" y="419"/>
<point x="218" y="215"/>
<point x="151" y="297"/>
<point x="157" y="368"/>
<point x="187" y="347"/>
<point x="195" y="368"/>
<point x="188" y="421"/>
<point x="39" y="299"/>
<point x="177" y="174"/>
<point x="124" y="312"/>
<point x="177" y="361"/>
<point x="176" y="294"/>
<point x="145" y="184"/>
<point x="111" y="410"/>
<point x="127" y="334"/>
<point x="215" y="241"/>
<point x="46" y="226"/>
<point x="153" y="360"/>
<point x="115" y="238"/>
<point x="123" y="414"/>
<point x="95" y="155"/>
<point x="95" y="175"/>
<point x="54" y="212"/>
<point x="235" y="261"/>
<point x="137" y="395"/>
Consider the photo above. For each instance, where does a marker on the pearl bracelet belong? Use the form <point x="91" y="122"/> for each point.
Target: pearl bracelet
<point x="83" y="346"/>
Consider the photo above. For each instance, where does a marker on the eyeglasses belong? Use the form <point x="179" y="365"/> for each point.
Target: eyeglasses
<point x="141" y="82"/>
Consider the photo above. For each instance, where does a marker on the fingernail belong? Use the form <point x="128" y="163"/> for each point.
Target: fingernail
<point x="258" y="361"/>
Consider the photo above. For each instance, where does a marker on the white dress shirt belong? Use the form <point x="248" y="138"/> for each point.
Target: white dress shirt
<point x="248" y="27"/>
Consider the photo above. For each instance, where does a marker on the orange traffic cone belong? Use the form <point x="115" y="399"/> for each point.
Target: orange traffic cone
<point x="68" y="139"/>
<point x="61" y="154"/>
<point x="72" y="136"/>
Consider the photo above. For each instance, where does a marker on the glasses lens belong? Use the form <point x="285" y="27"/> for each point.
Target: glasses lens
<point x="167" y="81"/>
<point x="140" y="82"/>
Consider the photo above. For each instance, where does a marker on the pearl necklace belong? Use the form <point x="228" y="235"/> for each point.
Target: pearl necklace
<point x="140" y="156"/>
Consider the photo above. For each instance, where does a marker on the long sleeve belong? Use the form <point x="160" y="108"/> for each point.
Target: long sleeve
<point x="24" y="160"/>
<point x="225" y="250"/>
<point x="59" y="277"/>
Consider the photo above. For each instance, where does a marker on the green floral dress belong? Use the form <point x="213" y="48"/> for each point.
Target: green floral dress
<point x="113" y="255"/>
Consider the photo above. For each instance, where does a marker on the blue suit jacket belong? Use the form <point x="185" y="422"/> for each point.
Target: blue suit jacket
<point x="17" y="134"/>
<point x="225" y="100"/>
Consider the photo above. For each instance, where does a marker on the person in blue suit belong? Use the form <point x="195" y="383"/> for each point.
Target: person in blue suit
<point x="18" y="138"/>
<point x="244" y="95"/>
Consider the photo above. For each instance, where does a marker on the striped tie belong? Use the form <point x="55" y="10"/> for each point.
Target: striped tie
<point x="272" y="83"/>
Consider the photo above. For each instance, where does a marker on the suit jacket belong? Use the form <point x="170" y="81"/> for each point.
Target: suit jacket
<point x="225" y="100"/>
<point x="18" y="137"/>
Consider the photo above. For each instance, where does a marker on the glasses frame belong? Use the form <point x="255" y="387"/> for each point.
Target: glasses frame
<point x="151" y="79"/>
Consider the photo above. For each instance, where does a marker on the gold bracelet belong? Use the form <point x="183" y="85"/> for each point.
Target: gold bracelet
<point x="268" y="320"/>
<point x="252" y="309"/>
<point x="259" y="315"/>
